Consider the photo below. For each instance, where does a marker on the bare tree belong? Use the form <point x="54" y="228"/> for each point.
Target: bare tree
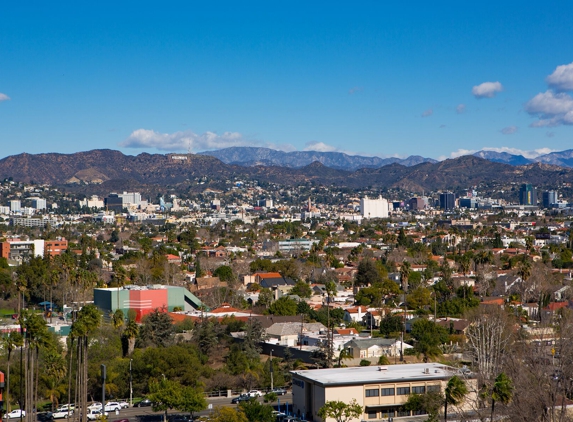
<point x="488" y="338"/>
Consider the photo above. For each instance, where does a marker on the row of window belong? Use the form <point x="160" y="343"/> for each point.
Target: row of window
<point x="400" y="391"/>
<point x="390" y="413"/>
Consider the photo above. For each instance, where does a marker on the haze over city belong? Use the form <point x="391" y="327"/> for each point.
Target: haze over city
<point x="438" y="80"/>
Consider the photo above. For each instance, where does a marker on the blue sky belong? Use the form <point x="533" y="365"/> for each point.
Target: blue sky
<point x="373" y="78"/>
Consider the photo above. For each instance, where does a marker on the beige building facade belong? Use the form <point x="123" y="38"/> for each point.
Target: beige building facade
<point x="380" y="390"/>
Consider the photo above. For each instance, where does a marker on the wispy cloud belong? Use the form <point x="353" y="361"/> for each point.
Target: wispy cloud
<point x="4" y="97"/>
<point x="487" y="89"/>
<point x="185" y="140"/>
<point x="461" y="108"/>
<point x="562" y="78"/>
<point x="509" y="130"/>
<point x="428" y="112"/>
<point x="355" y="89"/>
<point x="516" y="151"/>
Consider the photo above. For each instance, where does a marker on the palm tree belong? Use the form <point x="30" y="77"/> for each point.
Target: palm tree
<point x="10" y="342"/>
<point x="129" y="335"/>
<point x="502" y="391"/>
<point x="456" y="390"/>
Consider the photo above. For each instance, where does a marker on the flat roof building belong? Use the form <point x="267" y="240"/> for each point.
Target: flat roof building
<point x="380" y="390"/>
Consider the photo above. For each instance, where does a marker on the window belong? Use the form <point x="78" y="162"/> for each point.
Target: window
<point x="434" y="389"/>
<point x="419" y="389"/>
<point x="372" y="414"/>
<point x="387" y="413"/>
<point x="403" y="391"/>
<point x="403" y="412"/>
<point x="388" y="392"/>
<point x="372" y="392"/>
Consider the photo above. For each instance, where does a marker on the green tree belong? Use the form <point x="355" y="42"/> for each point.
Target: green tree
<point x="283" y="306"/>
<point x="10" y="342"/>
<point x="165" y="395"/>
<point x="192" y="400"/>
<point x="129" y="336"/>
<point x="225" y="273"/>
<point x="367" y="273"/>
<point x="265" y="298"/>
<point x="455" y="393"/>
<point x="419" y="298"/>
<point x="428" y="336"/>
<point x="205" y="336"/>
<point x="301" y="289"/>
<point x="257" y="412"/>
<point x="391" y="324"/>
<point x="156" y="329"/>
<point x="429" y="402"/>
<point x="502" y="391"/>
<point x="340" y="411"/>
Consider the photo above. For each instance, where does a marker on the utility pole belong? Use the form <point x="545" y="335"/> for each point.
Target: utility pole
<point x="103" y="374"/>
<point x="272" y="380"/>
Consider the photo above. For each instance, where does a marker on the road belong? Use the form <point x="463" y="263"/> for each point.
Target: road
<point x="146" y="414"/>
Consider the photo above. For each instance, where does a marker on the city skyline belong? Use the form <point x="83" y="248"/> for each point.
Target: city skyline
<point x="384" y="80"/>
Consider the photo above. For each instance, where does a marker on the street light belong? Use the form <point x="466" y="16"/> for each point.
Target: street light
<point x="272" y="350"/>
<point x="130" y="385"/>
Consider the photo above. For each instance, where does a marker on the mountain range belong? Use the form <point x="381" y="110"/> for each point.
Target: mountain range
<point x="104" y="171"/>
<point x="254" y="156"/>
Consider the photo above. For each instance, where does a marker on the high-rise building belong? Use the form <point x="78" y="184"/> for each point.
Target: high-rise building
<point x="39" y="203"/>
<point x="418" y="203"/>
<point x="447" y="201"/>
<point x="527" y="195"/>
<point x="549" y="198"/>
<point x="15" y="205"/>
<point x="373" y="208"/>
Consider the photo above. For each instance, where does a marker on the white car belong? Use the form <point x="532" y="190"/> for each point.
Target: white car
<point x="112" y="406"/>
<point x="255" y="393"/>
<point x="61" y="414"/>
<point x="15" y="414"/>
<point x="96" y="405"/>
<point x="123" y="404"/>
<point x="95" y="414"/>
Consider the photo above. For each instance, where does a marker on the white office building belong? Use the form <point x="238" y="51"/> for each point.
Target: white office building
<point x="15" y="205"/>
<point x="39" y="203"/>
<point x="374" y="208"/>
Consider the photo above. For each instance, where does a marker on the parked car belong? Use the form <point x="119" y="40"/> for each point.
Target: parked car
<point x="61" y="414"/>
<point x="144" y="403"/>
<point x="64" y="407"/>
<point x="15" y="414"/>
<point x="255" y="393"/>
<point x="279" y="391"/>
<point x="123" y="404"/>
<point x="112" y="406"/>
<point x="179" y="418"/>
<point x="96" y="405"/>
<point x="95" y="414"/>
<point x="242" y="397"/>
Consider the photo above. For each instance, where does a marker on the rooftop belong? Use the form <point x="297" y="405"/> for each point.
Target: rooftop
<point x="377" y="374"/>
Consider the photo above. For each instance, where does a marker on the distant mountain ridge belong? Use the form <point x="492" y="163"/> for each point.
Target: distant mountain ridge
<point x="104" y="171"/>
<point x="257" y="156"/>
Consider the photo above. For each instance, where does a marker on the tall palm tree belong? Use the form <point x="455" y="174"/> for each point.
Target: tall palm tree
<point x="10" y="342"/>
<point x="456" y="390"/>
<point x="502" y="391"/>
<point x="129" y="335"/>
<point x="404" y="274"/>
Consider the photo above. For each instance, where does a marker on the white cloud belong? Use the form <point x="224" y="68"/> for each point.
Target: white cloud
<point x="428" y="112"/>
<point x="186" y="140"/>
<point x="455" y="154"/>
<point x="355" y="89"/>
<point x="460" y="108"/>
<point x="551" y="108"/>
<point x="487" y="89"/>
<point x="4" y="97"/>
<point x="562" y="78"/>
<point x="320" y="147"/>
<point x="516" y="151"/>
<point x="509" y="130"/>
